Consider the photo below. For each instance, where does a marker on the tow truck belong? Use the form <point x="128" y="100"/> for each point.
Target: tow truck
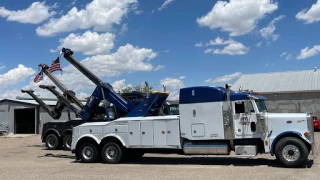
<point x="211" y="121"/>
<point x="58" y="133"/>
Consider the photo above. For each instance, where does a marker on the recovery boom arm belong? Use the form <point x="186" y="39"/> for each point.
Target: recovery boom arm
<point x="104" y="91"/>
<point x="68" y="93"/>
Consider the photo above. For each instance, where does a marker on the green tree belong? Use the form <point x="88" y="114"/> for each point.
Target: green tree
<point x="142" y="88"/>
<point x="137" y="88"/>
<point x="127" y="89"/>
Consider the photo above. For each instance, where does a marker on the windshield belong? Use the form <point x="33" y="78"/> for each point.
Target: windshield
<point x="261" y="105"/>
<point x="173" y="110"/>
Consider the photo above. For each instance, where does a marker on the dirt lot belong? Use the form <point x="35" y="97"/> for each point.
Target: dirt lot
<point x="27" y="158"/>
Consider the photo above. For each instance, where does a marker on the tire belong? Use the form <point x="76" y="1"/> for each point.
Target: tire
<point x="67" y="142"/>
<point x="52" y="142"/>
<point x="88" y="153"/>
<point x="112" y="153"/>
<point x="291" y="152"/>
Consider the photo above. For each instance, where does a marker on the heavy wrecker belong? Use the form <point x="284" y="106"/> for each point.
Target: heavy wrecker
<point x="57" y="133"/>
<point x="211" y="121"/>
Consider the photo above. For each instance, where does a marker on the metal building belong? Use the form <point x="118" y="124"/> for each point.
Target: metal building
<point x="25" y="116"/>
<point x="292" y="91"/>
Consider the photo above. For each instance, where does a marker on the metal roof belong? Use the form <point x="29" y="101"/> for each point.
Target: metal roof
<point x="276" y="82"/>
<point x="31" y="102"/>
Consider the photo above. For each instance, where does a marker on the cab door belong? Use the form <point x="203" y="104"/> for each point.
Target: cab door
<point x="245" y="119"/>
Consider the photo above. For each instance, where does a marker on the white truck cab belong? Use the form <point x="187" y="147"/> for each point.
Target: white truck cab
<point x="212" y="121"/>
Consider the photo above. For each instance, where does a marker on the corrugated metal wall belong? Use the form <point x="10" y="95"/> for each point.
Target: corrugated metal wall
<point x="7" y="115"/>
<point x="4" y="117"/>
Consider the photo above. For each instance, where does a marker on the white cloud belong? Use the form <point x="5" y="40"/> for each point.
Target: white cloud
<point x="259" y="44"/>
<point x="173" y="85"/>
<point x="233" y="47"/>
<point x="124" y="29"/>
<point x="158" y="67"/>
<point x="82" y="95"/>
<point x="268" y="32"/>
<point x="89" y="43"/>
<point x="165" y="4"/>
<point x="120" y="84"/>
<point x="73" y="2"/>
<point x="135" y="9"/>
<point x="269" y="64"/>
<point x="283" y="54"/>
<point x="209" y="50"/>
<point x="310" y="15"/>
<point x="224" y="79"/>
<point x="198" y="44"/>
<point x="36" y="13"/>
<point x="98" y="14"/>
<point x="15" y="76"/>
<point x="288" y="57"/>
<point x="2" y="67"/>
<point x="217" y="41"/>
<point x="237" y="16"/>
<point x="309" y="52"/>
<point x="126" y="59"/>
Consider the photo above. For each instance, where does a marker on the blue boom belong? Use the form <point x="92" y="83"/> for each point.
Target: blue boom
<point x="105" y="92"/>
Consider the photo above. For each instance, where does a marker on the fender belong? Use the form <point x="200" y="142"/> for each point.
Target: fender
<point x="117" y="137"/>
<point x="282" y="134"/>
<point x="52" y="130"/>
<point x="89" y="136"/>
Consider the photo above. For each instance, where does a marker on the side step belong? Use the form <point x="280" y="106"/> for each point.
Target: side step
<point x="246" y="151"/>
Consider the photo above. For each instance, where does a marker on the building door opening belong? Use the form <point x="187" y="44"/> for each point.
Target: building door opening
<point x="24" y="121"/>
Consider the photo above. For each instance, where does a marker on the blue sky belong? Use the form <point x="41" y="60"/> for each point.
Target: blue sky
<point x="178" y="43"/>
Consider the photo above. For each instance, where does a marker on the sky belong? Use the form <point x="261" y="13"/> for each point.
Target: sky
<point x="176" y="43"/>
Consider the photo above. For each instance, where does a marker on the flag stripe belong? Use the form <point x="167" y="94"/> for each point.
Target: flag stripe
<point x="55" y="66"/>
<point x="38" y="78"/>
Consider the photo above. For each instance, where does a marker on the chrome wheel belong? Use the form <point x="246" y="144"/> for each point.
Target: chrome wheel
<point x="87" y="152"/>
<point x="111" y="152"/>
<point x="291" y="153"/>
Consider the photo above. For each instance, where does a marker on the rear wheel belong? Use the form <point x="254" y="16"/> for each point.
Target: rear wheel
<point x="291" y="152"/>
<point x="113" y="153"/>
<point x="88" y="153"/>
<point x="52" y="142"/>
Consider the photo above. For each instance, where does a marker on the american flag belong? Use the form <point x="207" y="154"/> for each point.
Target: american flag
<point x="55" y="66"/>
<point x="38" y="78"/>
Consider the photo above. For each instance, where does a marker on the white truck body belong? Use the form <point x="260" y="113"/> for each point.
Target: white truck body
<point x="205" y="126"/>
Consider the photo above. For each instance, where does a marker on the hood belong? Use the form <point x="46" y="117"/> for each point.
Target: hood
<point x="287" y="116"/>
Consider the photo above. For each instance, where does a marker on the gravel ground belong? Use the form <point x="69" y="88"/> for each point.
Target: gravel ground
<point x="25" y="157"/>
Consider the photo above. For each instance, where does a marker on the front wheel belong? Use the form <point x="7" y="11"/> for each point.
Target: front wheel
<point x="291" y="152"/>
<point x="88" y="153"/>
<point x="112" y="153"/>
